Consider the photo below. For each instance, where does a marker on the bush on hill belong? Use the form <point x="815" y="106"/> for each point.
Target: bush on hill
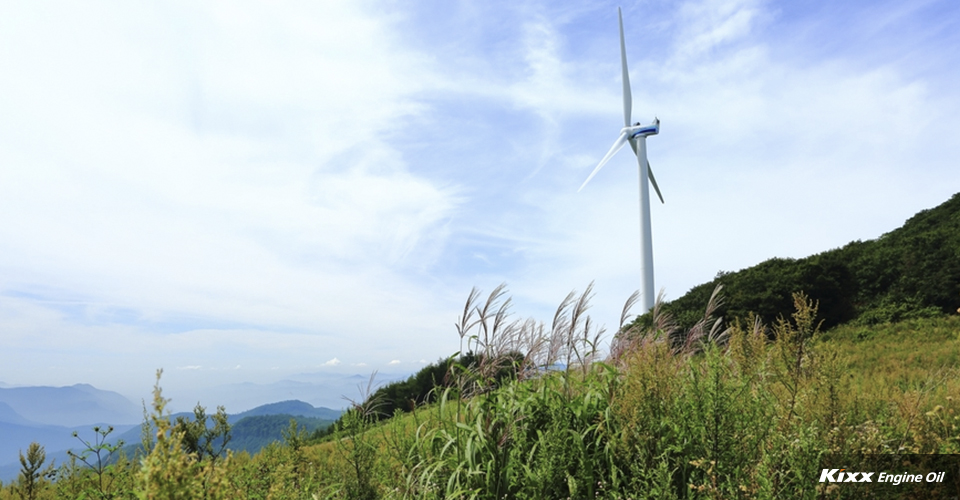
<point x="911" y="272"/>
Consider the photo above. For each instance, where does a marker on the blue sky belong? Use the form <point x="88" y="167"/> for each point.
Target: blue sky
<point x="240" y="192"/>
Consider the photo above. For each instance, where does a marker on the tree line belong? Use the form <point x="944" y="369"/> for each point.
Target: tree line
<point x="911" y="272"/>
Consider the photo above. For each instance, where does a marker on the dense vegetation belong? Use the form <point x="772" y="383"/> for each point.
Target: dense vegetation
<point x="745" y="408"/>
<point x="251" y="434"/>
<point x="425" y="386"/>
<point x="726" y="413"/>
<point x="913" y="271"/>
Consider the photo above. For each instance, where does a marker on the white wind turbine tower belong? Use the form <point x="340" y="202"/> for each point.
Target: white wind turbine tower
<point x="636" y="135"/>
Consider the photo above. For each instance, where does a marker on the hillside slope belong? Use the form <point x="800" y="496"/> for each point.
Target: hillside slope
<point x="912" y="271"/>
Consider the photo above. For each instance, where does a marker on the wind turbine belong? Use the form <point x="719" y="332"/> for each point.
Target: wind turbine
<point x="636" y="135"/>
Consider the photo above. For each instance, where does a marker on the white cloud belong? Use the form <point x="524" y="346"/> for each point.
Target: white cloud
<point x="332" y="362"/>
<point x="707" y="25"/>
<point x="232" y="175"/>
<point x="261" y="184"/>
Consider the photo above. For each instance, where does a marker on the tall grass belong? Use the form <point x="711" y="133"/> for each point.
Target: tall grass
<point x="716" y="411"/>
<point x="712" y="412"/>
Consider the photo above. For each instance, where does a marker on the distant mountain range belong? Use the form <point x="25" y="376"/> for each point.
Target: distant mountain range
<point x="9" y="415"/>
<point x="50" y="416"/>
<point x="76" y="405"/>
<point x="321" y="389"/>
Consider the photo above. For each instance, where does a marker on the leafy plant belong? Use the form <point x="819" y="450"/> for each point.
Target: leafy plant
<point x="97" y="448"/>
<point x="30" y="480"/>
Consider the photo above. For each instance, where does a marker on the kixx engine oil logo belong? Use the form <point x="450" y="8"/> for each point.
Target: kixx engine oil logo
<point x="843" y="476"/>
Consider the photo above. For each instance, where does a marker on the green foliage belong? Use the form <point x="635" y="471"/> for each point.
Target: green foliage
<point x="706" y="413"/>
<point x="357" y="446"/>
<point x="421" y="387"/>
<point x="202" y="439"/>
<point x="30" y="482"/>
<point x="913" y="271"/>
<point x="887" y="311"/>
<point x="251" y="434"/>
<point x="541" y="439"/>
<point x="751" y="419"/>
<point x="102" y="450"/>
<point x="166" y="471"/>
<point x="414" y="391"/>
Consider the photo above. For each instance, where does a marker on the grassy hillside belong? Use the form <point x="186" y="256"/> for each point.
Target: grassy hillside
<point x="723" y="414"/>
<point x="751" y="407"/>
<point x="742" y="417"/>
<point x="913" y="271"/>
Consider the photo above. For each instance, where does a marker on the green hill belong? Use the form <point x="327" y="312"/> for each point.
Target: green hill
<point x="913" y="271"/>
<point x="292" y="407"/>
<point x="252" y="433"/>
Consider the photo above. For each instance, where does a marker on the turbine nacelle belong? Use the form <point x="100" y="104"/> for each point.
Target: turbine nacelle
<point x="638" y="130"/>
<point x="630" y="135"/>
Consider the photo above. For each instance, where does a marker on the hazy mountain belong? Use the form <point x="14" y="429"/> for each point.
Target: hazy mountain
<point x="321" y="389"/>
<point x="10" y="416"/>
<point x="293" y="407"/>
<point x="50" y="415"/>
<point x="76" y="405"/>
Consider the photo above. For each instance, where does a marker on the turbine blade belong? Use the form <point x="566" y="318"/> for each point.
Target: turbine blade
<point x="627" y="98"/>
<point x="613" y="150"/>
<point x="653" y="180"/>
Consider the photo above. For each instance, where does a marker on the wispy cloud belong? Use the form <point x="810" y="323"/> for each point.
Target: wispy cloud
<point x="704" y="26"/>
<point x="262" y="185"/>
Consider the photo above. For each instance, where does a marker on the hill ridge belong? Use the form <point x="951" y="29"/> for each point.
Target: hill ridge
<point x="911" y="271"/>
